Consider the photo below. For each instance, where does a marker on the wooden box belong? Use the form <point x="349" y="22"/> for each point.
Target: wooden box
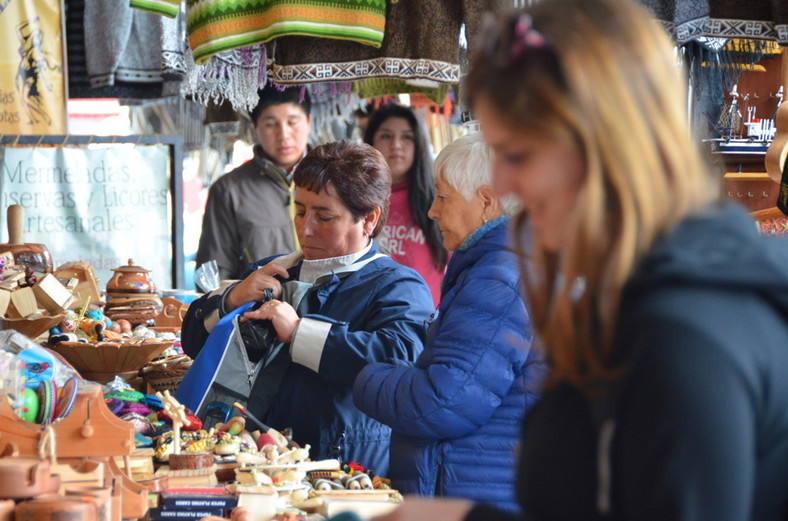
<point x="52" y="295"/>
<point x="87" y="290"/>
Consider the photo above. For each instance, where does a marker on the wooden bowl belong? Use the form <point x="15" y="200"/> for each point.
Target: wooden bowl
<point x="31" y="327"/>
<point x="190" y="460"/>
<point x="111" y="357"/>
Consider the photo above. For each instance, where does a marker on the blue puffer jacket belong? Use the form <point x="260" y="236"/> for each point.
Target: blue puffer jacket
<point x="456" y="415"/>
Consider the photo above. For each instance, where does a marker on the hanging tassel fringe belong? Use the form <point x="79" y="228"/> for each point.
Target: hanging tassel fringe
<point x="234" y="76"/>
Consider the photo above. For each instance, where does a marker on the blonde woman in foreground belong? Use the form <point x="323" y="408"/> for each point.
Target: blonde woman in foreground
<point x="661" y="310"/>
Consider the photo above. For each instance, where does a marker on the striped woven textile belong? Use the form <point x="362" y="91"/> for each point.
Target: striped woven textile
<point x="214" y="26"/>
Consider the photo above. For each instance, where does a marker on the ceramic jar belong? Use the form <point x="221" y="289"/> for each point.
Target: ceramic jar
<point x="130" y="279"/>
<point x="132" y="295"/>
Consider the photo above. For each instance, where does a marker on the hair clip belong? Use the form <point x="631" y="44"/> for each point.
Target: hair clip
<point x="524" y="36"/>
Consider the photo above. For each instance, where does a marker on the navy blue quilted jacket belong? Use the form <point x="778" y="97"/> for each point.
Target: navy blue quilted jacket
<point x="456" y="415"/>
<point x="374" y="314"/>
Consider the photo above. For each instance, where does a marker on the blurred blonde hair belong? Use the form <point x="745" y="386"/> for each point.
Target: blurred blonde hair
<point x="607" y="81"/>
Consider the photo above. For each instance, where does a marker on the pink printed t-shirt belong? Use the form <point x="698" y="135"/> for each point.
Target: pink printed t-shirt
<point x="404" y="241"/>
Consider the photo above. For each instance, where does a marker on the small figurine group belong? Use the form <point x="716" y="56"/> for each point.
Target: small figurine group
<point x="87" y="325"/>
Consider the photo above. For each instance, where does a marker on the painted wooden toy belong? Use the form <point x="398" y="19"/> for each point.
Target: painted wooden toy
<point x="234" y="425"/>
<point x="177" y="459"/>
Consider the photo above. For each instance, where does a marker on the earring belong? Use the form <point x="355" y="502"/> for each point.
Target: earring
<point x="484" y="220"/>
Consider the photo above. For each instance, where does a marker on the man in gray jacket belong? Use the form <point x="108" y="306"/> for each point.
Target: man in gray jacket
<point x="248" y="214"/>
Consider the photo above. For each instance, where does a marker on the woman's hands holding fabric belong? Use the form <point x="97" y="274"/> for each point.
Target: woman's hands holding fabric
<point x="251" y="288"/>
<point x="281" y="314"/>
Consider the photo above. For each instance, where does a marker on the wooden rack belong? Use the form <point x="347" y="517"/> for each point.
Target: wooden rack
<point x="90" y="430"/>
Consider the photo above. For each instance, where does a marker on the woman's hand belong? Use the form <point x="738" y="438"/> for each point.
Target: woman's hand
<point x="251" y="288"/>
<point x="281" y="314"/>
<point x="415" y="508"/>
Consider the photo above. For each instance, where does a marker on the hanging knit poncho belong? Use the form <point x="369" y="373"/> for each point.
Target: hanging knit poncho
<point x="690" y="19"/>
<point x="213" y="26"/>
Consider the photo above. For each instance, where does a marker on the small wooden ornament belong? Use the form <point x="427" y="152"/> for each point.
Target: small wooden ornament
<point x="177" y="412"/>
<point x="170" y="315"/>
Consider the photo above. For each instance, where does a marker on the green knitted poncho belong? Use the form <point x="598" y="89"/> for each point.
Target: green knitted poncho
<point x="213" y="26"/>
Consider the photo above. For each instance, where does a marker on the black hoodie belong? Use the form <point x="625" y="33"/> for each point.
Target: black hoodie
<point x="698" y="427"/>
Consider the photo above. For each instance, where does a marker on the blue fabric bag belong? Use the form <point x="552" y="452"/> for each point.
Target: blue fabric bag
<point x="213" y="376"/>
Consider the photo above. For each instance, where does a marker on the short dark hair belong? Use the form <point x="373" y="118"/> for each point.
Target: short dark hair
<point x="274" y="95"/>
<point x="358" y="172"/>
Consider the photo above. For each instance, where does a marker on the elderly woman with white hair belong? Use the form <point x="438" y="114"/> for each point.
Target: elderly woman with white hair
<point x="455" y="416"/>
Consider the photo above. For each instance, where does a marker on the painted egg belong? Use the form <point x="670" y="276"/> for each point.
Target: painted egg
<point x="29" y="409"/>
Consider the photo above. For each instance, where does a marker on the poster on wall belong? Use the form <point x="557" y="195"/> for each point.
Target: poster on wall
<point x="104" y="204"/>
<point x="32" y="72"/>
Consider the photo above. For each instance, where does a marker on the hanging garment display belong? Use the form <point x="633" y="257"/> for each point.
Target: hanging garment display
<point x="108" y="56"/>
<point x="691" y="19"/>
<point x="121" y="43"/>
<point x="173" y="59"/>
<point x="377" y="87"/>
<point x="215" y="26"/>
<point x="235" y="76"/>
<point x="421" y="41"/>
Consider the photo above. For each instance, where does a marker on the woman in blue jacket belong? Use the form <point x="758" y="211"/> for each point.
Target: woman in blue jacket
<point x="338" y="304"/>
<point x="455" y="416"/>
